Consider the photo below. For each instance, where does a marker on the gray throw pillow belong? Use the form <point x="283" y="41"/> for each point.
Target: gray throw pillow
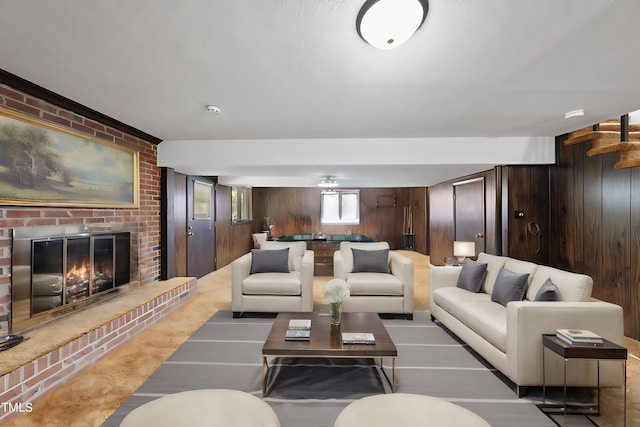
<point x="372" y="261"/>
<point x="472" y="275"/>
<point x="269" y="260"/>
<point x="548" y="292"/>
<point x="509" y="286"/>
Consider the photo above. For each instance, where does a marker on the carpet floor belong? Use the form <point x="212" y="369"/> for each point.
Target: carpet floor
<point x="226" y="353"/>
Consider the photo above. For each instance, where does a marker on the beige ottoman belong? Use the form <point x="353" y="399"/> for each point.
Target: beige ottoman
<point x="200" y="408"/>
<point x="406" y="410"/>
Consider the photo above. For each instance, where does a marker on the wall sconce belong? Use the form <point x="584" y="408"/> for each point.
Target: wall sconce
<point x="461" y="250"/>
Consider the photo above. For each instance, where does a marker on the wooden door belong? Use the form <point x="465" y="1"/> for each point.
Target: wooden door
<point x="201" y="237"/>
<point x="469" y="212"/>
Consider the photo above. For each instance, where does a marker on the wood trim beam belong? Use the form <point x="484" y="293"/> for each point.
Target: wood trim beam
<point x="33" y="89"/>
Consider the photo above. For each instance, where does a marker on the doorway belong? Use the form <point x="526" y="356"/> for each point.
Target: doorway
<point x="469" y="212"/>
<point x="200" y="233"/>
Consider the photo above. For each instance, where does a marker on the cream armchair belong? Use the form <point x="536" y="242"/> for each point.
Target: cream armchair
<point x="276" y="284"/>
<point x="372" y="289"/>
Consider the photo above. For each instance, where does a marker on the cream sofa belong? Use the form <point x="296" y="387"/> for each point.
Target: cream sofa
<point x="273" y="292"/>
<point x="376" y="292"/>
<point x="510" y="337"/>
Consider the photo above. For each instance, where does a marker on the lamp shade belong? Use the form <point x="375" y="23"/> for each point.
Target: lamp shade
<point x="386" y="24"/>
<point x="462" y="249"/>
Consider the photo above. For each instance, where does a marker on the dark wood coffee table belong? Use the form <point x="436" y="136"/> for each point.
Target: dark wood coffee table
<point x="326" y="341"/>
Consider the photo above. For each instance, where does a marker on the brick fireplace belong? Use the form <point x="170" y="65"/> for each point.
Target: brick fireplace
<point x="54" y="352"/>
<point x="142" y="222"/>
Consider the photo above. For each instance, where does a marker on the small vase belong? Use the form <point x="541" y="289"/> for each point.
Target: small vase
<point x="336" y="313"/>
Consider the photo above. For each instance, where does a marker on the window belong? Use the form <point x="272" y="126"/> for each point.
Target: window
<point x="202" y="200"/>
<point x="241" y="204"/>
<point x="340" y="207"/>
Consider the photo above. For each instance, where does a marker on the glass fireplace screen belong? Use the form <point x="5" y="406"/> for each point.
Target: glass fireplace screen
<point x="55" y="269"/>
<point x="68" y="270"/>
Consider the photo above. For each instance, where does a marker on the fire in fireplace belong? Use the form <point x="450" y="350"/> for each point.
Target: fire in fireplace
<point x="56" y="269"/>
<point x="76" y="282"/>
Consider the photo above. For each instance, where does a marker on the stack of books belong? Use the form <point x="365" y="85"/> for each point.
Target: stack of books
<point x="358" y="338"/>
<point x="299" y="330"/>
<point x="579" y="337"/>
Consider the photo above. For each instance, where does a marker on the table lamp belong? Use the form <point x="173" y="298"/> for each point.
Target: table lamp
<point x="461" y="250"/>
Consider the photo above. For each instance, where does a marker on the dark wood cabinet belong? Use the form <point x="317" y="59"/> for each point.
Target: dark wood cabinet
<point x="323" y="256"/>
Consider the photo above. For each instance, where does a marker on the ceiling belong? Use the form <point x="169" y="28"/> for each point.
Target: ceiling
<point x="301" y="95"/>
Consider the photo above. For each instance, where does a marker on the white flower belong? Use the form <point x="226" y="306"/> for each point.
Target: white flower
<point x="336" y="290"/>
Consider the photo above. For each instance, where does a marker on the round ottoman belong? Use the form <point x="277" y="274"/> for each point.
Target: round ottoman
<point x="406" y="410"/>
<point x="200" y="408"/>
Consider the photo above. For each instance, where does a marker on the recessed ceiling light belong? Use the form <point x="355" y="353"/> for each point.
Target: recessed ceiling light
<point x="212" y="109"/>
<point x="574" y="113"/>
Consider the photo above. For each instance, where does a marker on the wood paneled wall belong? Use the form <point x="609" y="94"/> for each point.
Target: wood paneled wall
<point x="441" y="226"/>
<point x="420" y="210"/>
<point x="507" y="189"/>
<point x="588" y="213"/>
<point x="297" y="211"/>
<point x="232" y="240"/>
<point x="526" y="189"/>
<point x="595" y="226"/>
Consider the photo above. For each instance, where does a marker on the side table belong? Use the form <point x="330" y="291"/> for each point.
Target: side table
<point x="605" y="351"/>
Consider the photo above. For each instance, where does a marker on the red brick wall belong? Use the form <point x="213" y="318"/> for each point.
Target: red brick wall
<point x="143" y="222"/>
<point x="35" y="378"/>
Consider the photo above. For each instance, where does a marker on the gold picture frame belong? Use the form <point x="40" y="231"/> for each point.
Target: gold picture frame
<point x="43" y="164"/>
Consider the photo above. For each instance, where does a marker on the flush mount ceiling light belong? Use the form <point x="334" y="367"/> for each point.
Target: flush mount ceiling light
<point x="574" y="113"/>
<point x="212" y="109"/>
<point x="328" y="182"/>
<point x="386" y="24"/>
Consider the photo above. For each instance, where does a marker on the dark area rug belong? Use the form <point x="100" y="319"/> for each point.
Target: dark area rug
<point x="226" y="353"/>
<point x="291" y="378"/>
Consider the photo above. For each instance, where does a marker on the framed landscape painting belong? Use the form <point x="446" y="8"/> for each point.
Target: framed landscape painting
<point x="42" y="164"/>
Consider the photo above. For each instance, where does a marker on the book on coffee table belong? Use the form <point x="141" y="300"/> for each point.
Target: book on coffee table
<point x="300" y="324"/>
<point x="297" y="335"/>
<point x="358" y="338"/>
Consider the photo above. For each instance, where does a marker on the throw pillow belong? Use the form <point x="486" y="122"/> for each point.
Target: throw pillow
<point x="269" y="260"/>
<point x="472" y="275"/>
<point x="509" y="286"/>
<point x="548" y="292"/>
<point x="373" y="261"/>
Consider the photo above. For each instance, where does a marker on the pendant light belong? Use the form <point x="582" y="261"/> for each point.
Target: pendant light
<point x="328" y="182"/>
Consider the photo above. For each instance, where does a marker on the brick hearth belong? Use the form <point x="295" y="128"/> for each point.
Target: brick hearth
<point x="52" y="354"/>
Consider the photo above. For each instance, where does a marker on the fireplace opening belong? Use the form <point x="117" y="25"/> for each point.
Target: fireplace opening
<point x="63" y="271"/>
